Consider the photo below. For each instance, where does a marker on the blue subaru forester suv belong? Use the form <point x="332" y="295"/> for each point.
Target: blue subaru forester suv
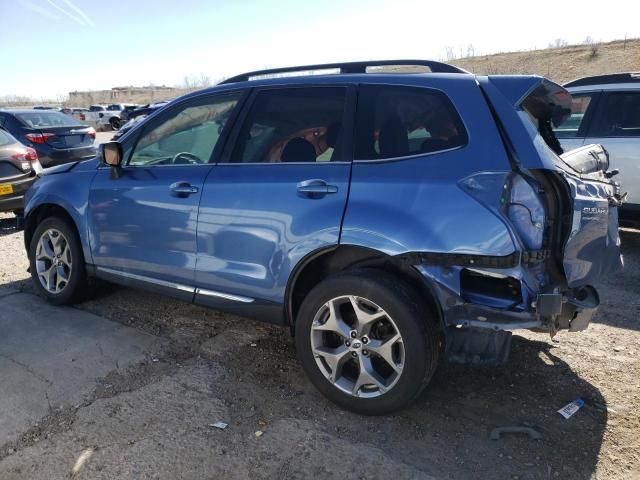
<point x="389" y="219"/>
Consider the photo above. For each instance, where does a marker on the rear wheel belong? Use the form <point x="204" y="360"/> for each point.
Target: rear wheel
<point x="115" y="123"/>
<point x="57" y="262"/>
<point x="366" y="341"/>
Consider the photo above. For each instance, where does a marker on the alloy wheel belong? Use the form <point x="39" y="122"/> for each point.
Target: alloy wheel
<point x="357" y="346"/>
<point x="54" y="262"/>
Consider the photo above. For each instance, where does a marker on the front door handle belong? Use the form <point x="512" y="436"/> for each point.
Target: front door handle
<point x="315" y="188"/>
<point x="183" y="189"/>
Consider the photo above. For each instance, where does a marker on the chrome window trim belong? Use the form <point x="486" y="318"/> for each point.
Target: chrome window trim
<point x="409" y="157"/>
<point x="341" y="162"/>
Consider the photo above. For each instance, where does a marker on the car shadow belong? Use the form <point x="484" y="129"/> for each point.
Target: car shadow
<point x="10" y="225"/>
<point x="463" y="404"/>
<point x="446" y="433"/>
<point x="620" y="293"/>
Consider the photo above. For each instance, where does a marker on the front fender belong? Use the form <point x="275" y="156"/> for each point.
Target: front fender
<point x="69" y="192"/>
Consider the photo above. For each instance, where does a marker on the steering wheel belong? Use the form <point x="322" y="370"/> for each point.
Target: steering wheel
<point x="187" y="158"/>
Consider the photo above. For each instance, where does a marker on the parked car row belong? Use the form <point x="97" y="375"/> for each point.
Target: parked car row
<point x="106" y="116"/>
<point x="19" y="167"/>
<point x="34" y="138"/>
<point x="138" y="115"/>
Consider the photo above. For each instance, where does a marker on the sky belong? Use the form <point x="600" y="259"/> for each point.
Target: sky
<point x="51" y="47"/>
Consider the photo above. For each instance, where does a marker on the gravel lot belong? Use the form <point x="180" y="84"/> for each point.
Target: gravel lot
<point x="152" y="420"/>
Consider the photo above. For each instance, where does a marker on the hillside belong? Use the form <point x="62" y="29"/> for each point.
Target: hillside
<point x="560" y="64"/>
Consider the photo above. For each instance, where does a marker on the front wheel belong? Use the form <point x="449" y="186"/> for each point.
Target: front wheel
<point x="57" y="262"/>
<point x="115" y="123"/>
<point x="367" y="341"/>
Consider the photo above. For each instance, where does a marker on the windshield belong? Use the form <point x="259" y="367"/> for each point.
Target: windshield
<point x="43" y="119"/>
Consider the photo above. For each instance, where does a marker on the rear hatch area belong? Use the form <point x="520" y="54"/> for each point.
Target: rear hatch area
<point x="592" y="249"/>
<point x="585" y="198"/>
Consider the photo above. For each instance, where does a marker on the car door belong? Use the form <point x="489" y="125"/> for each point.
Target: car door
<point x="278" y="195"/>
<point x="618" y="130"/>
<point x="573" y="131"/>
<point x="143" y="216"/>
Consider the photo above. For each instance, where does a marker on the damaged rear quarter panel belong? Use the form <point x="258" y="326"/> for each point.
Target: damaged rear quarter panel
<point x="431" y="204"/>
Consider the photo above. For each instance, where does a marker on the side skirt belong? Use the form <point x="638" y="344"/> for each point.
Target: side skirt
<point x="264" y="311"/>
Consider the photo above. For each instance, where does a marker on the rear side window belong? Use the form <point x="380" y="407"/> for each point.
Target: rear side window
<point x="293" y="125"/>
<point x="45" y="118"/>
<point x="5" y="138"/>
<point x="395" y="121"/>
<point x="621" y="115"/>
<point x="574" y="125"/>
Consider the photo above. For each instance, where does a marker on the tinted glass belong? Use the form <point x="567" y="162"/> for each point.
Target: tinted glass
<point x="5" y="138"/>
<point x="188" y="135"/>
<point x="293" y="125"/>
<point x="114" y="107"/>
<point x="96" y="108"/>
<point x="402" y="121"/>
<point x="46" y="118"/>
<point x="621" y="117"/>
<point x="571" y="126"/>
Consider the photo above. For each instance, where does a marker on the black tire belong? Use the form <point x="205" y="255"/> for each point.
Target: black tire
<point x="415" y="322"/>
<point x="115" y="123"/>
<point x="76" y="287"/>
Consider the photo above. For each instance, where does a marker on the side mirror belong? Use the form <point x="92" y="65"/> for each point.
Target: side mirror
<point x="112" y="153"/>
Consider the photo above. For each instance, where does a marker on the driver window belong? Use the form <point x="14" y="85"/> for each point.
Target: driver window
<point x="188" y="136"/>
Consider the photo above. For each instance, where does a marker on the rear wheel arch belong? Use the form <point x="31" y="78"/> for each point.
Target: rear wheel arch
<point x="317" y="266"/>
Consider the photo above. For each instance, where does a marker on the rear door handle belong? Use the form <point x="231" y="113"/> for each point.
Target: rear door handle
<point x="315" y="188"/>
<point x="183" y="189"/>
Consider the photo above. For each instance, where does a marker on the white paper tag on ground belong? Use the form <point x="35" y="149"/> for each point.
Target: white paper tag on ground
<point x="570" y="408"/>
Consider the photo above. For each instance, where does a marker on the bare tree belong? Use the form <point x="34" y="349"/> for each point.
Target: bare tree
<point x="470" y="50"/>
<point x="594" y="47"/>
<point x="558" y="43"/>
<point x="449" y="53"/>
<point x="193" y="82"/>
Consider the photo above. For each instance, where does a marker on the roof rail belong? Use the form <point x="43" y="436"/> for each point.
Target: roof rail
<point x="630" y="77"/>
<point x="348" y="67"/>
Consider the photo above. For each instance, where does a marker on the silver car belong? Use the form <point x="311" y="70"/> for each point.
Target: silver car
<point x="606" y="110"/>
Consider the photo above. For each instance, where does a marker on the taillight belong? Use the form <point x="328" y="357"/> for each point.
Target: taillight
<point x="92" y="133"/>
<point x="526" y="212"/>
<point x="82" y="116"/>
<point x="31" y="155"/>
<point x="27" y="158"/>
<point x="39" y="137"/>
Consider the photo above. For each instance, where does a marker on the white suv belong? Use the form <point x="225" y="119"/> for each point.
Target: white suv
<point x="606" y="110"/>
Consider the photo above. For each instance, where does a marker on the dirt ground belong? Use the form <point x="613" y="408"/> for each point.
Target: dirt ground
<point x="152" y="420"/>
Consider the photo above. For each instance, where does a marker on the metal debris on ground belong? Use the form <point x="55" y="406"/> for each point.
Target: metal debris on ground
<point x="496" y="432"/>
<point x="570" y="408"/>
<point x="220" y="425"/>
